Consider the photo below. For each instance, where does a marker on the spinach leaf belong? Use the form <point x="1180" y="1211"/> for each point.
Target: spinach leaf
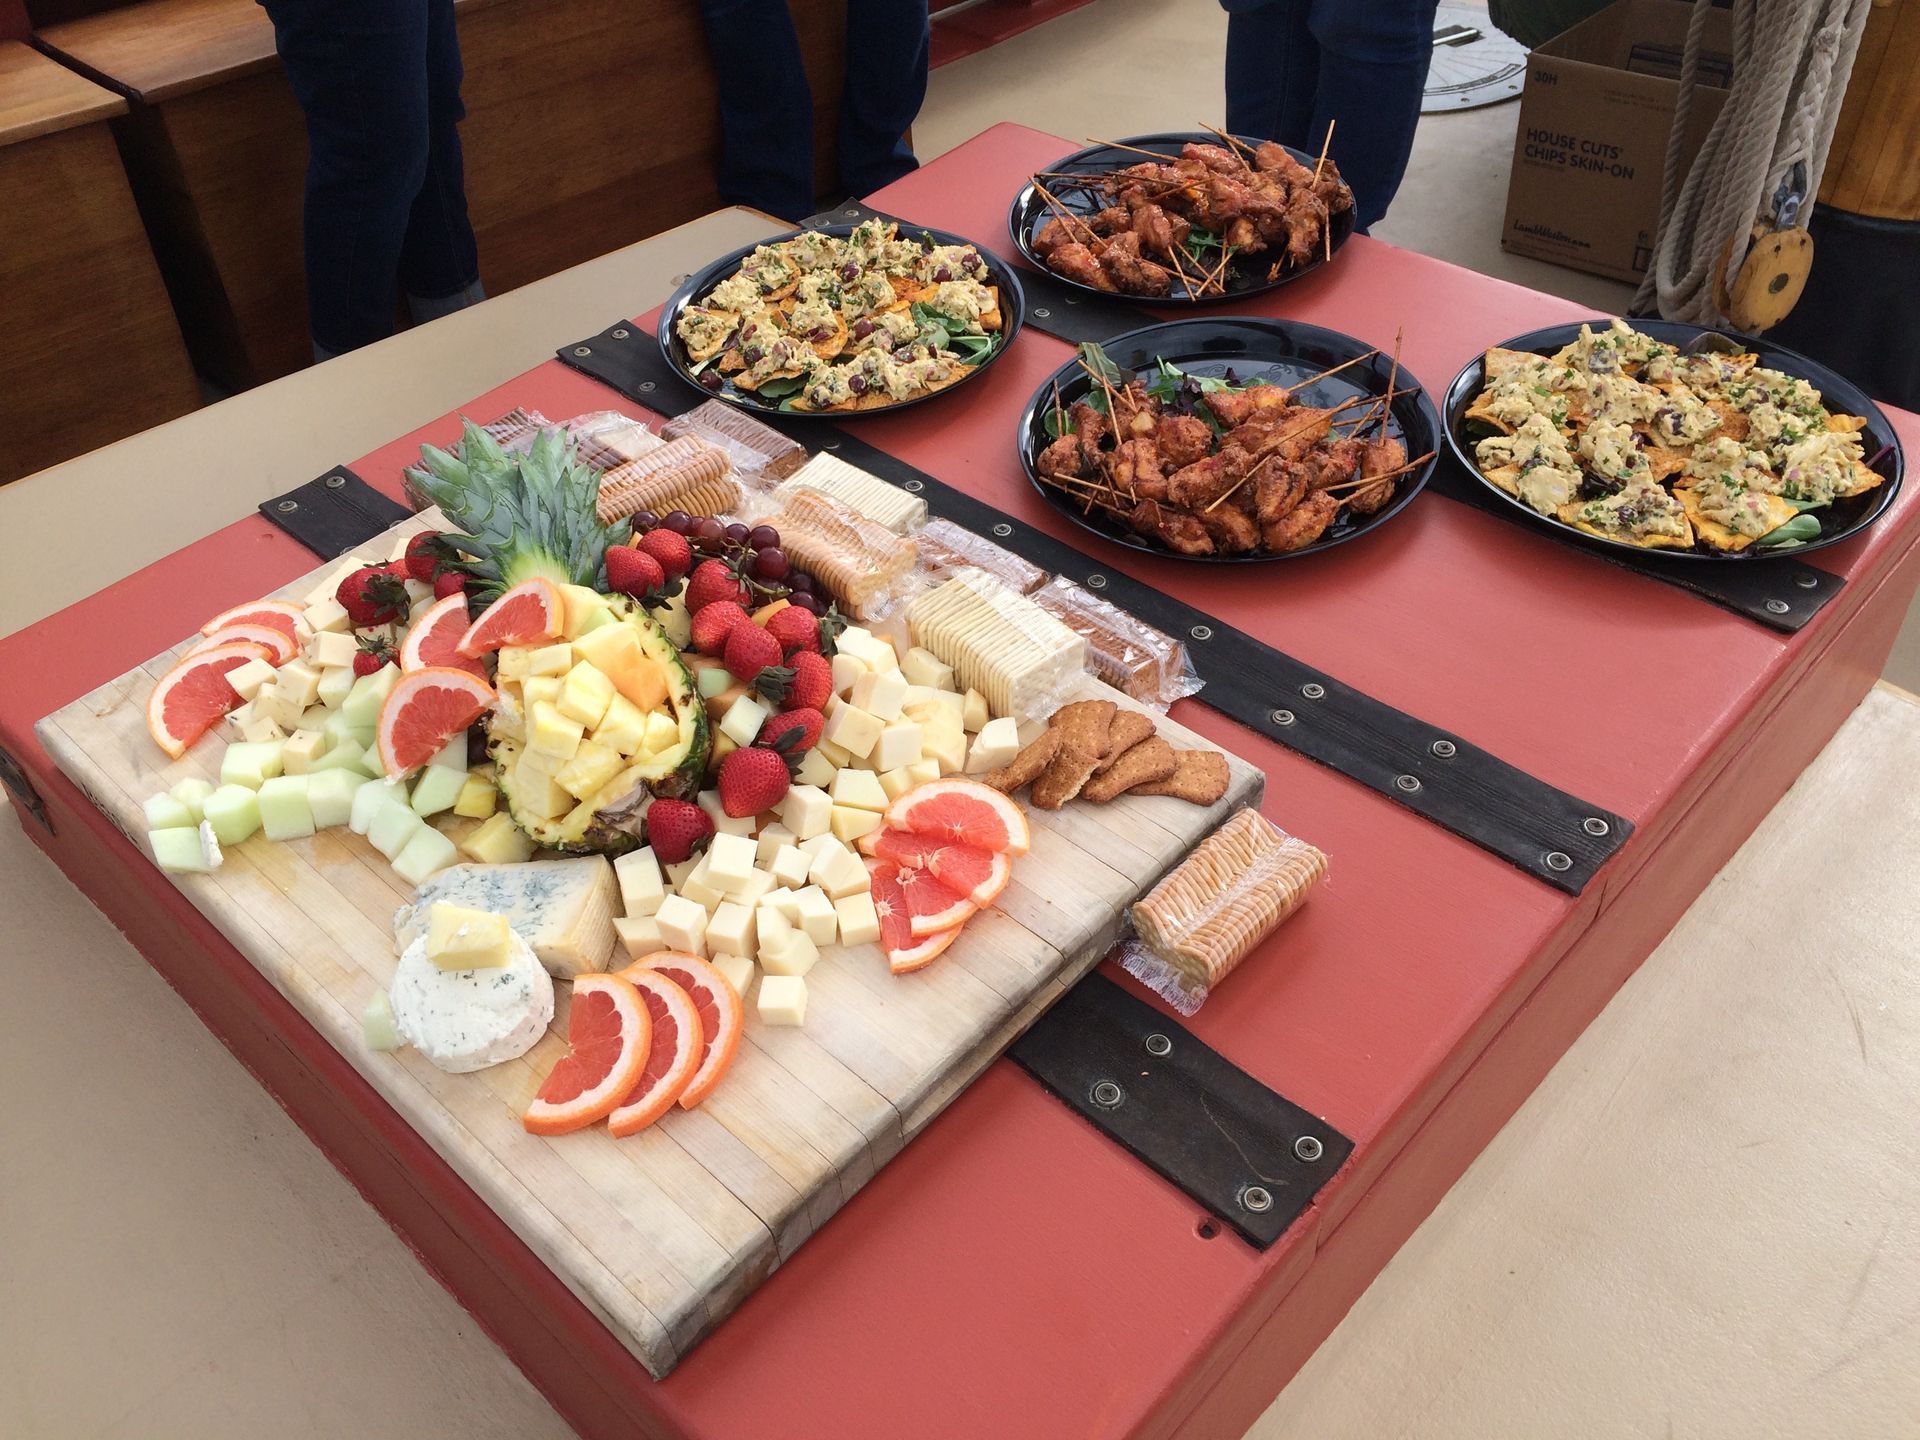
<point x="1796" y="531"/>
<point x="781" y="388"/>
<point x="1097" y="362"/>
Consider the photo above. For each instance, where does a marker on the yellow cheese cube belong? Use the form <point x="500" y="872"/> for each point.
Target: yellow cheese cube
<point x="639" y="934"/>
<point x="585" y="695"/>
<point x="860" y="789"/>
<point x="738" y="971"/>
<point x="793" y="952"/>
<point x="731" y="929"/>
<point x="248" y="676"/>
<point x="477" y="798"/>
<point x="858" y="919"/>
<point x="683" y="924"/>
<point x="850" y="824"/>
<point x="553" y="733"/>
<point x="499" y="842"/>
<point x="327" y="615"/>
<point x="896" y="782"/>
<point x="299" y="682"/>
<point x="973" y="711"/>
<point x="854" y="730"/>
<point x="554" y="660"/>
<point x="642" y="887"/>
<point x="591" y="767"/>
<point x="782" y="1000"/>
<point x="463" y="939"/>
<point x="303" y="747"/>
<point x="330" y="648"/>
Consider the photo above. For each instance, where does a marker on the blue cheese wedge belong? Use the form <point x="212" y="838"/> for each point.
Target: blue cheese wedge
<point x="563" y="909"/>
<point x="465" y="1020"/>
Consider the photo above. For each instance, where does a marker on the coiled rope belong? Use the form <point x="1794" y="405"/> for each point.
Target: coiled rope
<point x="1791" y="60"/>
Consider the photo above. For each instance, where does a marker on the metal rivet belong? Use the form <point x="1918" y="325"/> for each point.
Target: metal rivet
<point x="1073" y="299"/>
<point x="1309" y="1148"/>
<point x="850" y="213"/>
<point x="1257" y="1198"/>
<point x="1558" y="861"/>
<point x="1407" y="782"/>
<point x="1594" y="825"/>
<point x="1443" y="748"/>
<point x="621" y="333"/>
<point x="1201" y="632"/>
<point x="287" y="507"/>
<point x="913" y="485"/>
<point x="1041" y="314"/>
<point x="334" y="482"/>
<point x="1106" y="1094"/>
<point x="1003" y="529"/>
<point x="646" y="386"/>
<point x="1778" y="607"/>
<point x="1096" y="582"/>
<point x="1282" y="717"/>
<point x="1807" y="582"/>
<point x="831" y="445"/>
<point x="1313" y="690"/>
<point x="1158" y="1044"/>
<point x="583" y="350"/>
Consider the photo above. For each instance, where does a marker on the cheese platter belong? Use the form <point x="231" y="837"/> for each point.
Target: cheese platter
<point x="666" y="921"/>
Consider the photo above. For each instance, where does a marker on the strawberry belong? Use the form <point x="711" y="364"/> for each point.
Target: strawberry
<point x="375" y="652"/>
<point x="792" y="732"/>
<point x="714" y="623"/>
<point x="671" y="549"/>
<point x="750" y="649"/>
<point x="677" y="830"/>
<point x="372" y="595"/>
<point x="811" y="685"/>
<point x="449" y="582"/>
<point x="715" y="580"/>
<point x="427" y="556"/>
<point x="633" y="572"/>
<point x="795" y="629"/>
<point x="751" y="780"/>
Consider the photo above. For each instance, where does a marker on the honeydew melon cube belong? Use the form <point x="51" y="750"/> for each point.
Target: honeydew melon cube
<point x="166" y="813"/>
<point x="361" y="708"/>
<point x="339" y="729"/>
<point x="738" y="971"/>
<point x="377" y="1025"/>
<point x="185" y="850"/>
<point x="593" y="620"/>
<point x="590" y="768"/>
<point x="370" y="800"/>
<point x="285" y="813"/>
<point x="393" y="827"/>
<point x="427" y="852"/>
<point x="192" y="792"/>
<point x="585" y="695"/>
<point x="743" y="720"/>
<point x="436" y="790"/>
<point x="303" y="747"/>
<point x="499" y="842"/>
<point x="478" y="798"/>
<point x="452" y="755"/>
<point x="345" y="756"/>
<point x="330" y="795"/>
<point x="251" y="763"/>
<point x="336" y="684"/>
<point x="711" y="680"/>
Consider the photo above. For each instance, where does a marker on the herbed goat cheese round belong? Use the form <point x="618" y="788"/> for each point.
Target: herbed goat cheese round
<point x="465" y="1020"/>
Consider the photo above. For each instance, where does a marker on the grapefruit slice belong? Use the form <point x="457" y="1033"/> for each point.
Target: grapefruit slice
<point x="963" y="812"/>
<point x="532" y="610"/>
<point x="423" y="711"/>
<point x="280" y="614"/>
<point x="906" y="951"/>
<point x="434" y="639"/>
<point x="279" y="644"/>
<point x="931" y="906"/>
<point x="674" y="1056"/>
<point x="608" y="1039"/>
<point x="978" y="875"/>
<point x="191" y="697"/>
<point x="721" y="1017"/>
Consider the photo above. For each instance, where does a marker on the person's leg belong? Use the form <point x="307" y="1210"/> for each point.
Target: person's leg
<point x="887" y="42"/>
<point x="1273" y="69"/>
<point x="766" y="107"/>
<point x="439" y="262"/>
<point x="358" y="70"/>
<point x="1373" y="70"/>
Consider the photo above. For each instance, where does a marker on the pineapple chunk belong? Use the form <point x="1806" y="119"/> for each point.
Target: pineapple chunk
<point x="477" y="799"/>
<point x="541" y="795"/>
<point x="540" y="690"/>
<point x="499" y="842"/>
<point x="554" y="733"/>
<point x="585" y="694"/>
<point x="581" y="603"/>
<point x="662" y="731"/>
<point x="515" y="662"/>
<point x="591" y="767"/>
<point x="553" y="660"/>
<point x="623" y="728"/>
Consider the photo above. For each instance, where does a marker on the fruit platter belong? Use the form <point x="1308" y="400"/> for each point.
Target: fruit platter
<point x="669" y="869"/>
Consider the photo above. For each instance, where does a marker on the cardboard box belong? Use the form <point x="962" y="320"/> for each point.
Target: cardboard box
<point x="1594" y="117"/>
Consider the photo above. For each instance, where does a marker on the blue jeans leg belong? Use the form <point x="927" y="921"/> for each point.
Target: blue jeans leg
<point x="887" y="44"/>
<point x="766" y="106"/>
<point x="438" y="257"/>
<point x="1273" y="72"/>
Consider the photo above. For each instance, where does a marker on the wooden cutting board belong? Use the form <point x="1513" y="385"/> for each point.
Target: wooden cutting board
<point x="663" y="1233"/>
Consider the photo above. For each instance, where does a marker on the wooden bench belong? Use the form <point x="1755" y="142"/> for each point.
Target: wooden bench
<point x="590" y="124"/>
<point x="92" y="350"/>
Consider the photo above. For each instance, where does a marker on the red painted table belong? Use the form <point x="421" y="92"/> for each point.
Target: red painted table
<point x="1013" y="1273"/>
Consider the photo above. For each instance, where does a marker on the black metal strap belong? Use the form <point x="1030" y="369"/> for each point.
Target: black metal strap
<point x="1554" y="836"/>
<point x="333" y="513"/>
<point x="1780" y="594"/>
<point x="1249" y="1155"/>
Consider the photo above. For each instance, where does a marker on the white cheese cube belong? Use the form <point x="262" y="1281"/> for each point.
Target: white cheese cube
<point x="880" y="693"/>
<point x="896" y="782"/>
<point x="859" y="789"/>
<point x="835" y="757"/>
<point x="699" y="887"/>
<point x="859" y="921"/>
<point x="973" y="711"/>
<point x="738" y="971"/>
<point x="815" y="769"/>
<point x="683" y="924"/>
<point x="331" y="648"/>
<point x="850" y="824"/>
<point x="759" y="883"/>
<point x="900" y="744"/>
<point x="790" y="866"/>
<point x="782" y="1000"/>
<point x="854" y="730"/>
<point x="677" y="873"/>
<point x="917" y="698"/>
<point x="299" y="682"/>
<point x="792" y="953"/>
<point x="723" y="823"/>
<point x="248" y="676"/>
<point x="818" y="845"/>
<point x="642" y="887"/>
<point x="729" y="861"/>
<point x="996" y="744"/>
<point x="770" y="923"/>
<point x="816" y="918"/>
<point x="329" y="584"/>
<point x="639" y="934"/>
<point x="846" y="669"/>
<point x="270" y="704"/>
<point x="806" y="811"/>
<point x="418" y="590"/>
<point x="772" y="837"/>
<point x="731" y="930"/>
<point x="328" y="617"/>
<point x="924" y="772"/>
<point x="781" y="904"/>
<point x="923" y="667"/>
<point x="843" y="876"/>
<point x="743" y="720"/>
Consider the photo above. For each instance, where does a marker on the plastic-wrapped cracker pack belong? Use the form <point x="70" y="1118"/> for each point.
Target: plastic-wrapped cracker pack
<point x="861" y="562"/>
<point x="755" y="448"/>
<point x="1206" y="916"/>
<point x="947" y="548"/>
<point x="1018" y="656"/>
<point x="684" y="474"/>
<point x="884" y="503"/>
<point x="606" y="438"/>
<point x="1129" y="654"/>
